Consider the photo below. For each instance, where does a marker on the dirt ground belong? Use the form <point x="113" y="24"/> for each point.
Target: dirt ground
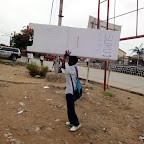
<point x="32" y="114"/>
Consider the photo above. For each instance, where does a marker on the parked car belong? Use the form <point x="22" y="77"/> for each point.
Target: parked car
<point x="10" y="53"/>
<point x="52" y="57"/>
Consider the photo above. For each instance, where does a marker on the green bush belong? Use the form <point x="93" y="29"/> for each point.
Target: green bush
<point x="34" y="70"/>
<point x="43" y="71"/>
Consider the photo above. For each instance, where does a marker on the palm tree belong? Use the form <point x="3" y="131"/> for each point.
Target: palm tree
<point x="139" y="50"/>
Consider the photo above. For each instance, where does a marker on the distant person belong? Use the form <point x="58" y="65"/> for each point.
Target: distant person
<point x="53" y="63"/>
<point x="28" y="57"/>
<point x="41" y="60"/>
<point x="59" y="66"/>
<point x="71" y="80"/>
<point x="60" y="69"/>
<point x="87" y="61"/>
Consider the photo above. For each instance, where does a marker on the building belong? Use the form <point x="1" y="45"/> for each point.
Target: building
<point x="134" y="59"/>
<point x="121" y="54"/>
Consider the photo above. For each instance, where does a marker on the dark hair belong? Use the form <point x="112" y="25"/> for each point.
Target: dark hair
<point x="74" y="59"/>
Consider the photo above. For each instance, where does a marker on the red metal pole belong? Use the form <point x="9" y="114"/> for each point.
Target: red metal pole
<point x="133" y="37"/>
<point x="98" y="20"/>
<point x="105" y="71"/>
<point x="107" y="15"/>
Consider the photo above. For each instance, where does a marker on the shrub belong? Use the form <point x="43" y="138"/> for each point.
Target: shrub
<point x="34" y="70"/>
<point x="43" y="71"/>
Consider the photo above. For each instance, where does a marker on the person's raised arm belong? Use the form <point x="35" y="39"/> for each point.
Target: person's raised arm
<point x="67" y="53"/>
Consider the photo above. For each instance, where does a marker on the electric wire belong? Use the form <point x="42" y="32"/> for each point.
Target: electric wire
<point x="51" y="11"/>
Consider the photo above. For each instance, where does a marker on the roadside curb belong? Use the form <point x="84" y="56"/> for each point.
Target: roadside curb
<point x="94" y="82"/>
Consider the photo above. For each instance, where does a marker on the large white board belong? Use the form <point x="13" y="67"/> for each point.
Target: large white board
<point x="92" y="43"/>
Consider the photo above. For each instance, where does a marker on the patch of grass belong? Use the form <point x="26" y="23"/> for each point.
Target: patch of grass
<point x="90" y="88"/>
<point x="108" y="94"/>
<point x="34" y="70"/>
<point x="7" y="63"/>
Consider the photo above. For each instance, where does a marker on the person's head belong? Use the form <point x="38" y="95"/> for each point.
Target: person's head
<point x="72" y="60"/>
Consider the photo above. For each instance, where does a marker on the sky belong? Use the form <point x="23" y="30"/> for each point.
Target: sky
<point x="15" y="14"/>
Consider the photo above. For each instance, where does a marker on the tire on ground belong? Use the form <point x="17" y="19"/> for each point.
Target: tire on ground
<point x="13" y="57"/>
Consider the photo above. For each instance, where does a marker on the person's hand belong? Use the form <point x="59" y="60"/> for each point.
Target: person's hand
<point x="67" y="53"/>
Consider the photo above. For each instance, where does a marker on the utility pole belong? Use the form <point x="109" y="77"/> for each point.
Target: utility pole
<point x="59" y="24"/>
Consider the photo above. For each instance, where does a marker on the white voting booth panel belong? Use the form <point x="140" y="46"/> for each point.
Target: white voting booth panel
<point x="48" y="39"/>
<point x="101" y="44"/>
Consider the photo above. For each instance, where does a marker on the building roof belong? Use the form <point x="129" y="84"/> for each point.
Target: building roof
<point x="122" y="51"/>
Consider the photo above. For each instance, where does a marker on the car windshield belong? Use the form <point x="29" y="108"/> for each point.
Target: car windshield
<point x="9" y="49"/>
<point x="15" y="50"/>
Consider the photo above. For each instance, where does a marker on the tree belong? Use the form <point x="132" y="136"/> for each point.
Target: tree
<point x="139" y="50"/>
<point x="27" y="35"/>
<point x="21" y="40"/>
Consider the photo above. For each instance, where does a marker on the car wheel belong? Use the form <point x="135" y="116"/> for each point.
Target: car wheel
<point x="14" y="58"/>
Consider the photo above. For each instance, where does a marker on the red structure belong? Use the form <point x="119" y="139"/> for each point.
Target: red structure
<point x="121" y="39"/>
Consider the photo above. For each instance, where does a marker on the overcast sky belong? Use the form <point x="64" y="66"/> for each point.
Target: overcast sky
<point x="14" y="14"/>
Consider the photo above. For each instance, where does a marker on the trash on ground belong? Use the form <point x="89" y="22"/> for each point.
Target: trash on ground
<point x="7" y="134"/>
<point x="49" y="128"/>
<point x="105" y="129"/>
<point x="88" y="93"/>
<point x="45" y="87"/>
<point x="37" y="76"/>
<point x="86" y="89"/>
<point x="20" y="111"/>
<point x="21" y="103"/>
<point x="57" y="120"/>
<point x="37" y="129"/>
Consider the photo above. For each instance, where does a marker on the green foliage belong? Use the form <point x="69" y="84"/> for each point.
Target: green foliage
<point x="108" y="94"/>
<point x="21" y="39"/>
<point x="43" y="71"/>
<point x="7" y="63"/>
<point x="34" y="70"/>
<point x="139" y="50"/>
<point x="18" y="42"/>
